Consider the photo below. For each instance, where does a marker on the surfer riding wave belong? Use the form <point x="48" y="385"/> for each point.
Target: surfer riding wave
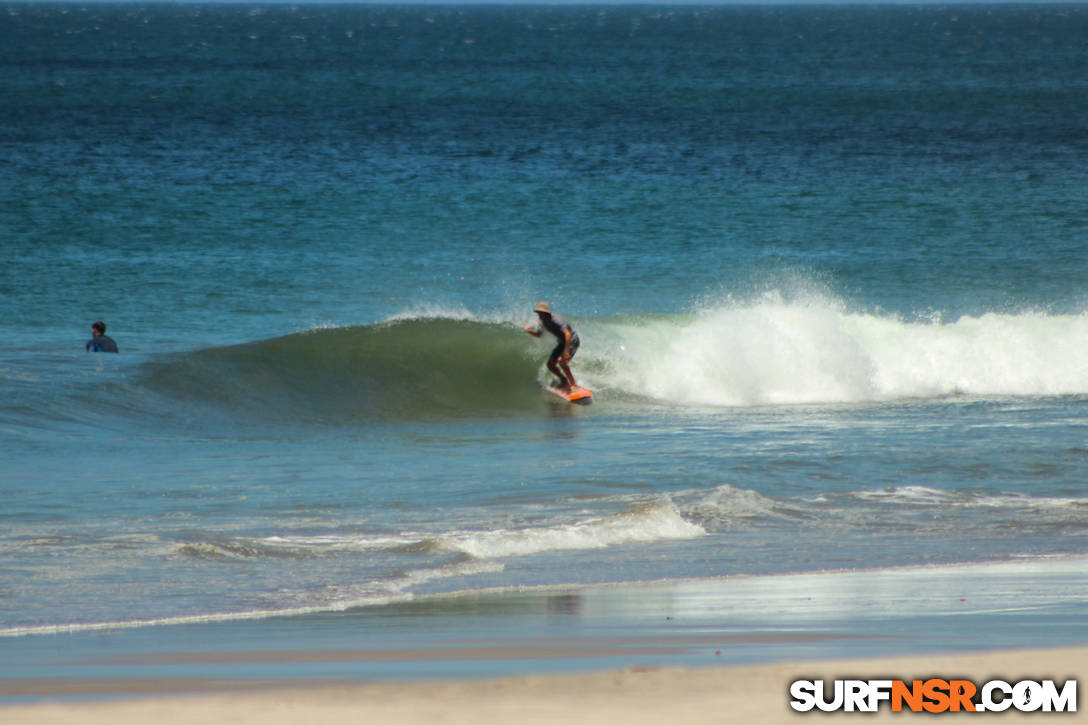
<point x="559" y="360"/>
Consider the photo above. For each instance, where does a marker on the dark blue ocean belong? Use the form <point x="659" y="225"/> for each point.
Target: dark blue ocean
<point x="828" y="264"/>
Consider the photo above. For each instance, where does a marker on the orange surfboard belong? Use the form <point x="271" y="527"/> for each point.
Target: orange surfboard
<point x="577" y="394"/>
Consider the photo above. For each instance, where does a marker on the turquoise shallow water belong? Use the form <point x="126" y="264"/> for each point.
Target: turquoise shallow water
<point x="827" y="265"/>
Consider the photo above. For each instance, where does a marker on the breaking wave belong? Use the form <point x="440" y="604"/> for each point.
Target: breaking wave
<point x="769" y="352"/>
<point x="776" y="351"/>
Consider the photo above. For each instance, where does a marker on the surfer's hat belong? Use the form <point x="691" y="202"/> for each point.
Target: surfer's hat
<point x="543" y="307"/>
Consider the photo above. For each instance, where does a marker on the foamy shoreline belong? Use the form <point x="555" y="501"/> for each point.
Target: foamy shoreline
<point x="757" y="693"/>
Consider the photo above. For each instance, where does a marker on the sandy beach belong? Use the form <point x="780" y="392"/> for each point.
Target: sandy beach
<point x="757" y="694"/>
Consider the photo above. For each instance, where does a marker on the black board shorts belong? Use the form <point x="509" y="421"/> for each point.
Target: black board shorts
<point x="558" y="351"/>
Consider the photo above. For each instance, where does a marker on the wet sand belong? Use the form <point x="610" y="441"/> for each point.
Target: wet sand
<point x="757" y="693"/>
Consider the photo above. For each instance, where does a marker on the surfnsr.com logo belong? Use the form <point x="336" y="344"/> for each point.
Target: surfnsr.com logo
<point x="934" y="695"/>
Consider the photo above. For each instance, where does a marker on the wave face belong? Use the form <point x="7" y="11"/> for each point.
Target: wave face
<point x="400" y="369"/>
<point x="776" y="351"/>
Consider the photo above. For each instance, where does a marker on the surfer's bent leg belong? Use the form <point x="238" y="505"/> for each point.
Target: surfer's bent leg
<point x="574" y="343"/>
<point x="570" y="376"/>
<point x="554" y="361"/>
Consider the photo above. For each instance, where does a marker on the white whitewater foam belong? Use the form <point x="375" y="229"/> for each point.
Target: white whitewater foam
<point x="920" y="495"/>
<point x="652" y="522"/>
<point x="774" y="351"/>
<point x="335" y="543"/>
<point x="926" y="496"/>
<point x="728" y="505"/>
